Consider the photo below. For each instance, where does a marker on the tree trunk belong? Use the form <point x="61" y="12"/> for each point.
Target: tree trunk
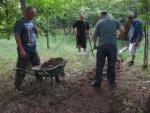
<point x="6" y="10"/>
<point x="145" y="63"/>
<point x="23" y="4"/>
<point x="47" y="37"/>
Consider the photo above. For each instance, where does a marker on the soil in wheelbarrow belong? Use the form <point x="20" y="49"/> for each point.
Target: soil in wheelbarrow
<point x="52" y="63"/>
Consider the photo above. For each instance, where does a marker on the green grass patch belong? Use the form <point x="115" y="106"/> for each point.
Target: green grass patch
<point x="139" y="55"/>
<point x="60" y="46"/>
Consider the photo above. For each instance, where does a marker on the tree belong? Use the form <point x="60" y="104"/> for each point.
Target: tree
<point x="8" y="14"/>
<point x="143" y="8"/>
<point x="23" y="4"/>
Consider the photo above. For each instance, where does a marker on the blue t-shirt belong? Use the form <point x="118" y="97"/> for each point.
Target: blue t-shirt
<point x="26" y="29"/>
<point x="106" y="30"/>
<point x="135" y="30"/>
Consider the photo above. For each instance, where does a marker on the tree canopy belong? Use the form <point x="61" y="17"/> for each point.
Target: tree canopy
<point x="62" y="13"/>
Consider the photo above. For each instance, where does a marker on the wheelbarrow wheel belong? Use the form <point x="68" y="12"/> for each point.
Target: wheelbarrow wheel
<point x="57" y="79"/>
<point x="38" y="77"/>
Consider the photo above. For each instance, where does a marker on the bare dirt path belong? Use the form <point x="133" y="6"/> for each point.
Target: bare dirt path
<point x="87" y="99"/>
<point x="74" y="96"/>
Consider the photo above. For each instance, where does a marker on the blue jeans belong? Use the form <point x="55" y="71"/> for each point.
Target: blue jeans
<point x="109" y="51"/>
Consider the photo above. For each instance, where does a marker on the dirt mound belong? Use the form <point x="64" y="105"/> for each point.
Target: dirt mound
<point x="87" y="99"/>
<point x="52" y="63"/>
<point x="74" y="96"/>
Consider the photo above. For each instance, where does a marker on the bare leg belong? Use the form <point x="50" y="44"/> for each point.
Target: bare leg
<point x="133" y="58"/>
<point x="79" y="48"/>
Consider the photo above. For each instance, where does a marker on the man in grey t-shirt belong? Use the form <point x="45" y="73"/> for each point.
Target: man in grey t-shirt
<point x="106" y="29"/>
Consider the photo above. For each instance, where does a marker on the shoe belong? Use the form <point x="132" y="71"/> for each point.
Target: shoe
<point x="130" y="63"/>
<point x="96" y="85"/>
<point x="36" y="68"/>
<point x="19" y="90"/>
<point x="82" y="53"/>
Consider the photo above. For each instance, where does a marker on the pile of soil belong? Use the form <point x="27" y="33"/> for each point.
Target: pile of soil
<point x="75" y="95"/>
<point x="52" y="63"/>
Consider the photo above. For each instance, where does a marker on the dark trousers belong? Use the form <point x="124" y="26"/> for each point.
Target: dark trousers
<point x="23" y="63"/>
<point x="109" y="51"/>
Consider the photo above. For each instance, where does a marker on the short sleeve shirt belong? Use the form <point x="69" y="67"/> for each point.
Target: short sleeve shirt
<point x="106" y="30"/>
<point x="27" y="32"/>
<point x="81" y="26"/>
<point x="135" y="30"/>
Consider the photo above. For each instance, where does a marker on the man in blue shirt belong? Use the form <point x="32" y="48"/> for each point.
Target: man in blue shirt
<point x="135" y="36"/>
<point x="25" y="32"/>
<point x="106" y="29"/>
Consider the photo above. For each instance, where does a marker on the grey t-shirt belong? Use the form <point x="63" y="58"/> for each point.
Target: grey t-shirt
<point x="106" y="30"/>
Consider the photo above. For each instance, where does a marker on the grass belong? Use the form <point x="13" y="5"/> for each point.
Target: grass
<point x="65" y="46"/>
<point x="132" y="91"/>
<point x="139" y="55"/>
<point x="60" y="46"/>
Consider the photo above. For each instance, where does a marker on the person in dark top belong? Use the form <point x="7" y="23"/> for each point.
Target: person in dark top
<point x="106" y="31"/>
<point x="135" y="35"/>
<point x="82" y="32"/>
<point x="25" y="32"/>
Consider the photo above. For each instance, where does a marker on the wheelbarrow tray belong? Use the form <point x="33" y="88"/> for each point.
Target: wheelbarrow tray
<point x="46" y="72"/>
<point x="56" y="70"/>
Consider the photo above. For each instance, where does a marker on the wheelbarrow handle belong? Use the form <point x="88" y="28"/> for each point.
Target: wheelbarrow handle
<point x="23" y="70"/>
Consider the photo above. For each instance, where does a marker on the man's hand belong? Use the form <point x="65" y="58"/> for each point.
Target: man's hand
<point x="75" y="32"/>
<point x="137" y="44"/>
<point x="37" y="29"/>
<point x="94" y="43"/>
<point x="20" y="46"/>
<point x="87" y="33"/>
<point x="23" y="53"/>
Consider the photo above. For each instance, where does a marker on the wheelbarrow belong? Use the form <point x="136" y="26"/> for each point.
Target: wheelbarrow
<point x="41" y="73"/>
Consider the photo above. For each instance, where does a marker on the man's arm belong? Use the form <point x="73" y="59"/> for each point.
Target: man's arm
<point x="20" y="46"/>
<point x="17" y="32"/>
<point x="87" y="29"/>
<point x="121" y="32"/>
<point x="95" y="35"/>
<point x="94" y="43"/>
<point x="75" y="30"/>
<point x="37" y="29"/>
<point x="121" y="29"/>
<point x="139" y="34"/>
<point x="139" y="38"/>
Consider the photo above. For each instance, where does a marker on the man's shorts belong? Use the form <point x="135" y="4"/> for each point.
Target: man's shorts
<point x="132" y="48"/>
<point x="81" y="41"/>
